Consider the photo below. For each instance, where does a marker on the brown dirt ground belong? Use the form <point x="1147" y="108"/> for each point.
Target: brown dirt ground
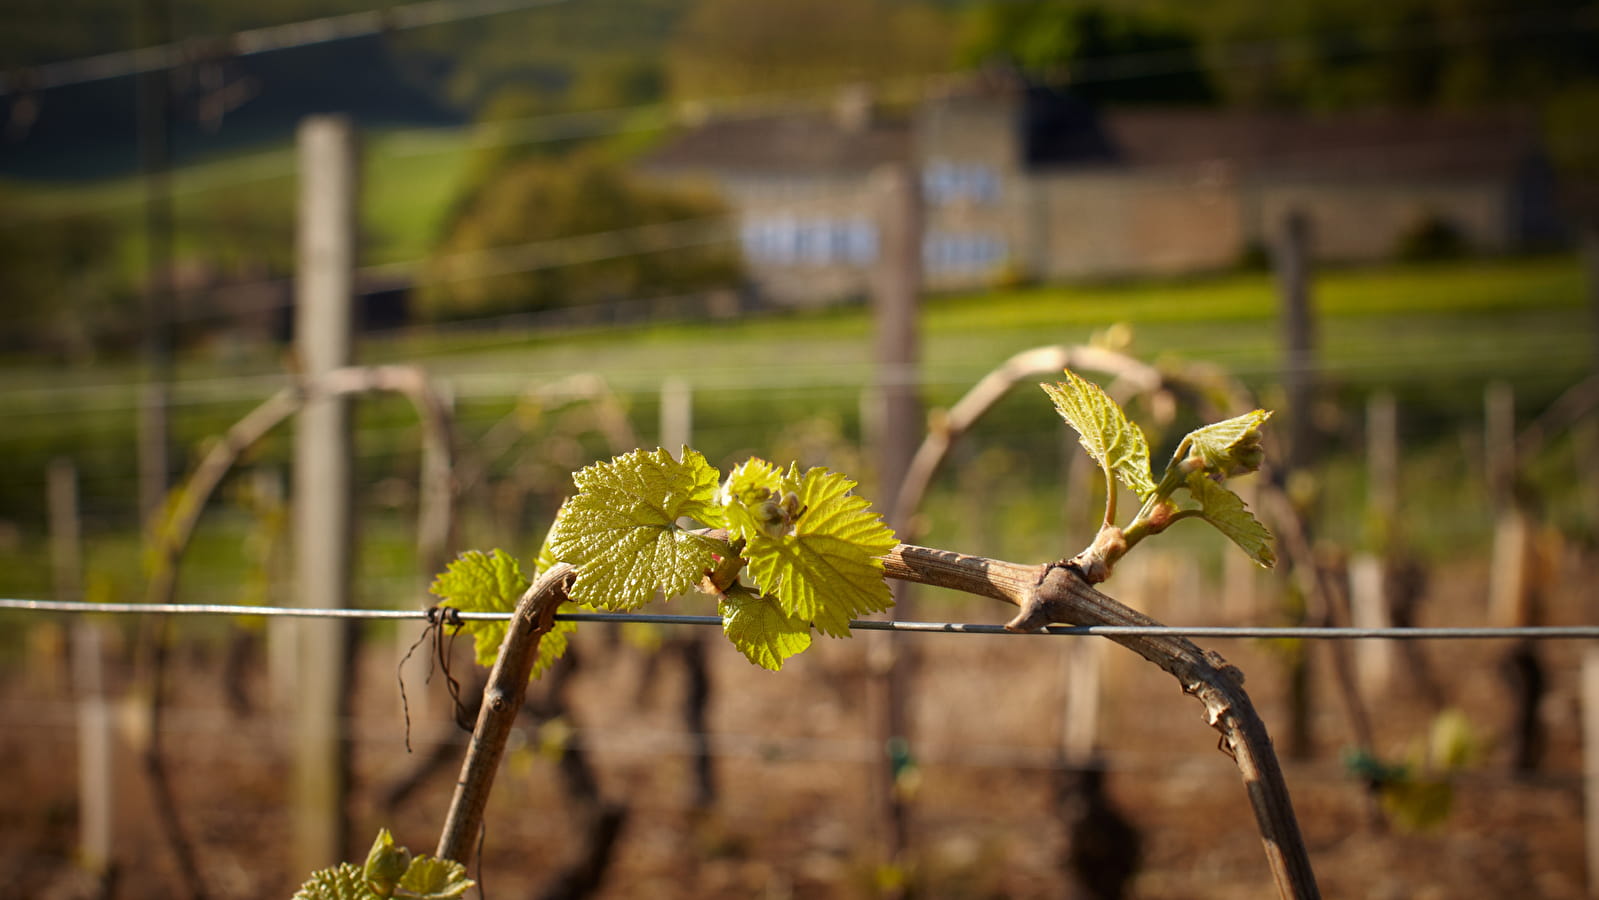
<point x="794" y="817"/>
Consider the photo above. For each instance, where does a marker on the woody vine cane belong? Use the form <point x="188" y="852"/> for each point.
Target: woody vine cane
<point x="817" y="556"/>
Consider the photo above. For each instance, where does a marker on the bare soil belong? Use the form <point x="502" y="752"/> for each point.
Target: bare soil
<point x="794" y="816"/>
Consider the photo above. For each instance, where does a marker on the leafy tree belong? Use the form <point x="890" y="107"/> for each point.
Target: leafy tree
<point x="1106" y="54"/>
<point x="731" y="47"/>
<point x="1396" y="53"/>
<point x="1574" y="145"/>
<point x="503" y="252"/>
<point x="60" y="289"/>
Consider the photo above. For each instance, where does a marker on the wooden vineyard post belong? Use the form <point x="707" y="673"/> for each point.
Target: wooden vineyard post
<point x="677" y="432"/>
<point x="323" y="526"/>
<point x="895" y="295"/>
<point x="1368" y="571"/>
<point x="1081" y="661"/>
<point x="96" y="788"/>
<point x="1511" y="582"/>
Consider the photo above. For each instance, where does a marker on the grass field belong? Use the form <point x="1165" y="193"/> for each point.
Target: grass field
<point x="792" y="385"/>
<point x="410" y="178"/>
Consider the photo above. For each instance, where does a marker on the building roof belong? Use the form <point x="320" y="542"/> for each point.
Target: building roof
<point x="1409" y="145"/>
<point x="1059" y="132"/>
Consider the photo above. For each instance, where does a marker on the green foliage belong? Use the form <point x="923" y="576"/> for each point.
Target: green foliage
<point x="493" y="582"/>
<point x="723" y="49"/>
<point x="390" y="873"/>
<point x="1418" y="791"/>
<point x="761" y="629"/>
<point x="1226" y="510"/>
<point x="1573" y="142"/>
<point x="342" y="882"/>
<point x="1230" y="447"/>
<point x="482" y="582"/>
<point x="430" y="878"/>
<point x="1206" y="457"/>
<point x="816" y="546"/>
<point x="811" y="548"/>
<point x="59" y="290"/>
<point x="1063" y="42"/>
<point x="503" y="253"/>
<point x="1115" y="443"/>
<point x="620" y="530"/>
<point x="386" y="864"/>
<point x="1430" y="238"/>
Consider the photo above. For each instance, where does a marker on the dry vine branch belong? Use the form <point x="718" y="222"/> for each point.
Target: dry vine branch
<point x="942" y="435"/>
<point x="434" y="518"/>
<point x="1571" y="407"/>
<point x="502" y="699"/>
<point x="436" y="494"/>
<point x="1044" y="594"/>
<point x="1215" y="391"/>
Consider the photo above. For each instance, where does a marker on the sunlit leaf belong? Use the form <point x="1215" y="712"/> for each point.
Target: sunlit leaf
<point x="386" y="864"/>
<point x="430" y="878"/>
<point x="761" y="630"/>
<point x="1227" y="511"/>
<point x="824" y="569"/>
<point x="1230" y="447"/>
<point x="342" y="882"/>
<point x="483" y="582"/>
<point x="493" y="582"/>
<point x="752" y="498"/>
<point x="620" y="530"/>
<point x="1115" y="443"/>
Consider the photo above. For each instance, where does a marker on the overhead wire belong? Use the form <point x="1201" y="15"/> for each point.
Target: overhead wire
<point x="254" y="41"/>
<point x="1543" y="632"/>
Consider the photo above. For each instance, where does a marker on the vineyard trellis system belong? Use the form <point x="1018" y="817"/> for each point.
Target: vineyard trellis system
<point x="1242" y="632"/>
<point x="1055" y="598"/>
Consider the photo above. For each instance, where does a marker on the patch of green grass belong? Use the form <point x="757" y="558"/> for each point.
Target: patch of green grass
<point x="1434" y="335"/>
<point x="237" y="209"/>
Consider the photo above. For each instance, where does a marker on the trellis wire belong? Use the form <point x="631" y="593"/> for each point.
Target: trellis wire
<point x="1541" y="632"/>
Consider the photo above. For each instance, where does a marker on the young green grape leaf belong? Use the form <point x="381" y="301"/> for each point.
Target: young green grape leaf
<point x="760" y="629"/>
<point x="482" y="582"/>
<point x="554" y="643"/>
<point x="493" y="582"/>
<point x="1419" y="803"/>
<point x="386" y="864"/>
<point x="752" y="499"/>
<point x="824" y="569"/>
<point x="430" y="878"/>
<point x="620" y="529"/>
<point x="1115" y="443"/>
<point x="1230" y="447"/>
<point x="342" y="882"/>
<point x="1226" y="510"/>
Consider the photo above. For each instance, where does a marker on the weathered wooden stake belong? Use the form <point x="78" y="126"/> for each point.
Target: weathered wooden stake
<point x="96" y="788"/>
<point x="1368" y="602"/>
<point x="1370" y="605"/>
<point x="677" y="432"/>
<point x="323" y="521"/>
<point x="896" y="290"/>
<point x="1382" y="462"/>
<point x="1499" y="442"/>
